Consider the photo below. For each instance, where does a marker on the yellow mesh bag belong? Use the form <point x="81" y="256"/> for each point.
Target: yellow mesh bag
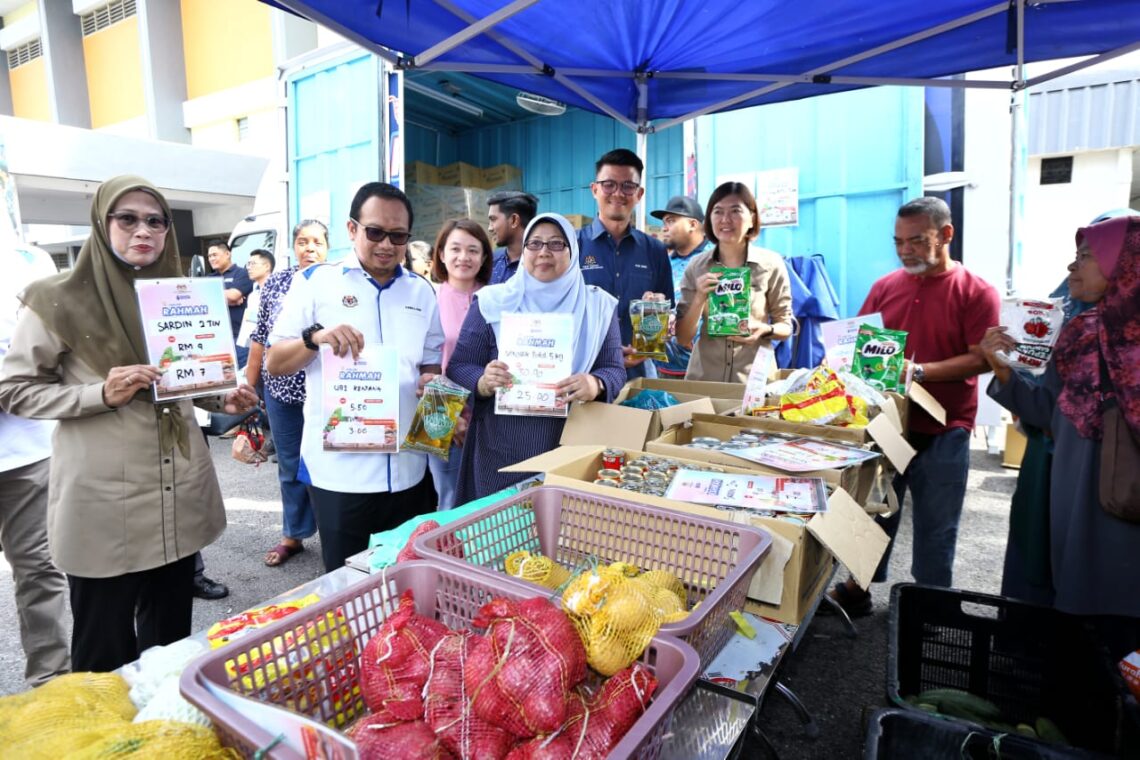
<point x="88" y="715"/>
<point x="163" y="739"/>
<point x="615" y="615"/>
<point x="537" y="569"/>
<point x="666" y="580"/>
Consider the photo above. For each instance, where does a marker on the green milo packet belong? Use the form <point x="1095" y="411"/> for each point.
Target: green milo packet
<point x="879" y="358"/>
<point x="730" y="305"/>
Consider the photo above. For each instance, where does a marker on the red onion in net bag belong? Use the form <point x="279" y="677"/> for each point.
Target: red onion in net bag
<point x="395" y="663"/>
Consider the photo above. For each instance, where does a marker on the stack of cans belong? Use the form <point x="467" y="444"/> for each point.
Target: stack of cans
<point x="745" y="439"/>
<point x="647" y="474"/>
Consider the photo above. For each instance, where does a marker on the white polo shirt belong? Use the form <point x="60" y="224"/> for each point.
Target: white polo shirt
<point x="403" y="313"/>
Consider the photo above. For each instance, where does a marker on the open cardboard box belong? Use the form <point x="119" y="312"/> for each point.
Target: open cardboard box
<point x="626" y="427"/>
<point x="784" y="587"/>
<point x="857" y="480"/>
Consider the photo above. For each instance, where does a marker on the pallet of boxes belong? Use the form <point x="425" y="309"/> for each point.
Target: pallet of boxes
<point x="725" y="452"/>
<point x="454" y="191"/>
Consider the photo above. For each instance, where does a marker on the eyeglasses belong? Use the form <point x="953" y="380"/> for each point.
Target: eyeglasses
<point x="554" y="246"/>
<point x="610" y="186"/>
<point x="378" y="235"/>
<point x="129" y="221"/>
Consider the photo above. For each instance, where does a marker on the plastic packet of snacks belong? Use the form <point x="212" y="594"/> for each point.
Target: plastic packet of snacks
<point x="880" y="359"/>
<point x="650" y="328"/>
<point x="437" y="413"/>
<point x="730" y="304"/>
<point x="1034" y="324"/>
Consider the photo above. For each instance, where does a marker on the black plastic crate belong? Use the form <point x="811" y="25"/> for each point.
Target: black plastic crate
<point x="894" y="734"/>
<point x="1030" y="661"/>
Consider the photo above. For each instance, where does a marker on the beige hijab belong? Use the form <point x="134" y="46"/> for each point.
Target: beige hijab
<point x="93" y="307"/>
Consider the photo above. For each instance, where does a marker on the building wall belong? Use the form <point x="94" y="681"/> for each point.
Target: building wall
<point x="29" y="91"/>
<point x="1101" y="182"/>
<point x="114" y="74"/>
<point x="226" y="44"/>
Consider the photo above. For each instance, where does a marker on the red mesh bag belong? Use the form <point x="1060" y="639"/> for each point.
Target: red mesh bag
<point x="450" y="545"/>
<point x="396" y="661"/>
<point x="447" y="705"/>
<point x="520" y="674"/>
<point x="378" y="739"/>
<point x="615" y="709"/>
<point x="564" y="744"/>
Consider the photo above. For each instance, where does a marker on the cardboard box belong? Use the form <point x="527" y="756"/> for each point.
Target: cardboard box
<point x="503" y="176"/>
<point x="1014" y="447"/>
<point x="802" y="549"/>
<point x="460" y="174"/>
<point x="626" y="427"/>
<point x="671" y="443"/>
<point x="419" y="173"/>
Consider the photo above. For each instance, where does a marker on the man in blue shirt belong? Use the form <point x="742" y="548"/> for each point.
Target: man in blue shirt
<point x="683" y="232"/>
<point x="619" y="259"/>
<point x="237" y="286"/>
<point x="508" y="214"/>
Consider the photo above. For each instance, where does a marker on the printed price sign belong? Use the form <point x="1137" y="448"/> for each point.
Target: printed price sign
<point x="537" y="348"/>
<point x="187" y="329"/>
<point x="361" y="400"/>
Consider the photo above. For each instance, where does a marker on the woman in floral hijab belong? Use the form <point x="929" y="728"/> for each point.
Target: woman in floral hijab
<point x="1094" y="555"/>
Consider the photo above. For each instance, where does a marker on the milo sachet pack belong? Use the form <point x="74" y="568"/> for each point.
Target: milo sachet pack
<point x="730" y="304"/>
<point x="650" y="321"/>
<point x="879" y="358"/>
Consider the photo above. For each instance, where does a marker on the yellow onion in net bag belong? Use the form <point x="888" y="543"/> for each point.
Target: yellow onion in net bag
<point x="666" y="580"/>
<point x="536" y="568"/>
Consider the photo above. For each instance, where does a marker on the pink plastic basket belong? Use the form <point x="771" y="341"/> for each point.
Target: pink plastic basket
<point x="713" y="558"/>
<point x="309" y="662"/>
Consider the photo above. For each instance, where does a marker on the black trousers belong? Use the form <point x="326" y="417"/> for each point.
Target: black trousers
<point x="346" y="520"/>
<point x="117" y="618"/>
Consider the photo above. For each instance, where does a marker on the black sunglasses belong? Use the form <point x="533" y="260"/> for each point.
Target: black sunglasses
<point x="129" y="221"/>
<point x="378" y="235"/>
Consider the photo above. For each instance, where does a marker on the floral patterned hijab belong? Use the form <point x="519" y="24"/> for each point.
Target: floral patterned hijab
<point x="1111" y="330"/>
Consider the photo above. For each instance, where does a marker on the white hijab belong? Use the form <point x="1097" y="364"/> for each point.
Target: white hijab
<point x="592" y="307"/>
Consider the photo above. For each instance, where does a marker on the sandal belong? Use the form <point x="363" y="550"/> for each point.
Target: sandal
<point x="281" y="554"/>
<point x="855" y="605"/>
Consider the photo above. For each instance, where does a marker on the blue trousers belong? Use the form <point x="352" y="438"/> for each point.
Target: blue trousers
<point x="445" y="475"/>
<point x="936" y="479"/>
<point x="288" y="422"/>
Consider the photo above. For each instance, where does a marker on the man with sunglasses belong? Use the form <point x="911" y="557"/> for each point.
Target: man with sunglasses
<point x="368" y="298"/>
<point x="619" y="259"/>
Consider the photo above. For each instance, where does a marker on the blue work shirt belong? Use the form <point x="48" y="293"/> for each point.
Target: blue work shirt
<point x="502" y="268"/>
<point x="626" y="269"/>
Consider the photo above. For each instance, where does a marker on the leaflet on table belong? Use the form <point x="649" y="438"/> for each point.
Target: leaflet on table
<point x="750" y="492"/>
<point x="537" y="348"/>
<point x="186" y="326"/>
<point x="839" y="338"/>
<point x="803" y="455"/>
<point x="361" y="400"/>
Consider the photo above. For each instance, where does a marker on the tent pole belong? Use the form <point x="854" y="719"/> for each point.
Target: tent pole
<point x="1083" y="64"/>
<point x="477" y="28"/>
<point x="642" y="140"/>
<point x="1018" y="158"/>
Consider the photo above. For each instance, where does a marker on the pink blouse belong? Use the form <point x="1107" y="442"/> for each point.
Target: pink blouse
<point x="453" y="307"/>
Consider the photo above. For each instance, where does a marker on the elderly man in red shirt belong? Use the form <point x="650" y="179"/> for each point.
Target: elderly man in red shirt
<point x="945" y="310"/>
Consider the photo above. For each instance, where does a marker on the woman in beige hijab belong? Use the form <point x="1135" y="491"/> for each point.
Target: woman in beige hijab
<point x="133" y="493"/>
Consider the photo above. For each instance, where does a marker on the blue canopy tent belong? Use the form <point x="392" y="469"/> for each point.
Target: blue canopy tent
<point x="652" y="64"/>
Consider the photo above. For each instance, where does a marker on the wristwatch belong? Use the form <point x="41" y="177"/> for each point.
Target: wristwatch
<point x="307" y="335"/>
<point x="919" y="374"/>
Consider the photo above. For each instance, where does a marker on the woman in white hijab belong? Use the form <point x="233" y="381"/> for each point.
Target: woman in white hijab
<point x="549" y="282"/>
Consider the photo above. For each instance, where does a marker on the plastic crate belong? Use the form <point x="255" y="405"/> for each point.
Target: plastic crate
<point x="309" y="662"/>
<point x="903" y="735"/>
<point x="1030" y="661"/>
<point x="714" y="559"/>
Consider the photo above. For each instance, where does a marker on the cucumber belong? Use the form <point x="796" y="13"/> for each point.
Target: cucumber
<point x="961" y="704"/>
<point x="1026" y="730"/>
<point x="1048" y="731"/>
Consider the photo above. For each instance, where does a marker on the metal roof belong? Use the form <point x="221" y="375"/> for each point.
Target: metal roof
<point x="1089" y="111"/>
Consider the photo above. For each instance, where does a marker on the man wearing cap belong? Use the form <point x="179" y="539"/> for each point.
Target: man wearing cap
<point x="683" y="232"/>
<point x="508" y="214"/>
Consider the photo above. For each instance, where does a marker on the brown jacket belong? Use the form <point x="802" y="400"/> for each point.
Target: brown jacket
<point x="117" y="504"/>
<point x="718" y="359"/>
